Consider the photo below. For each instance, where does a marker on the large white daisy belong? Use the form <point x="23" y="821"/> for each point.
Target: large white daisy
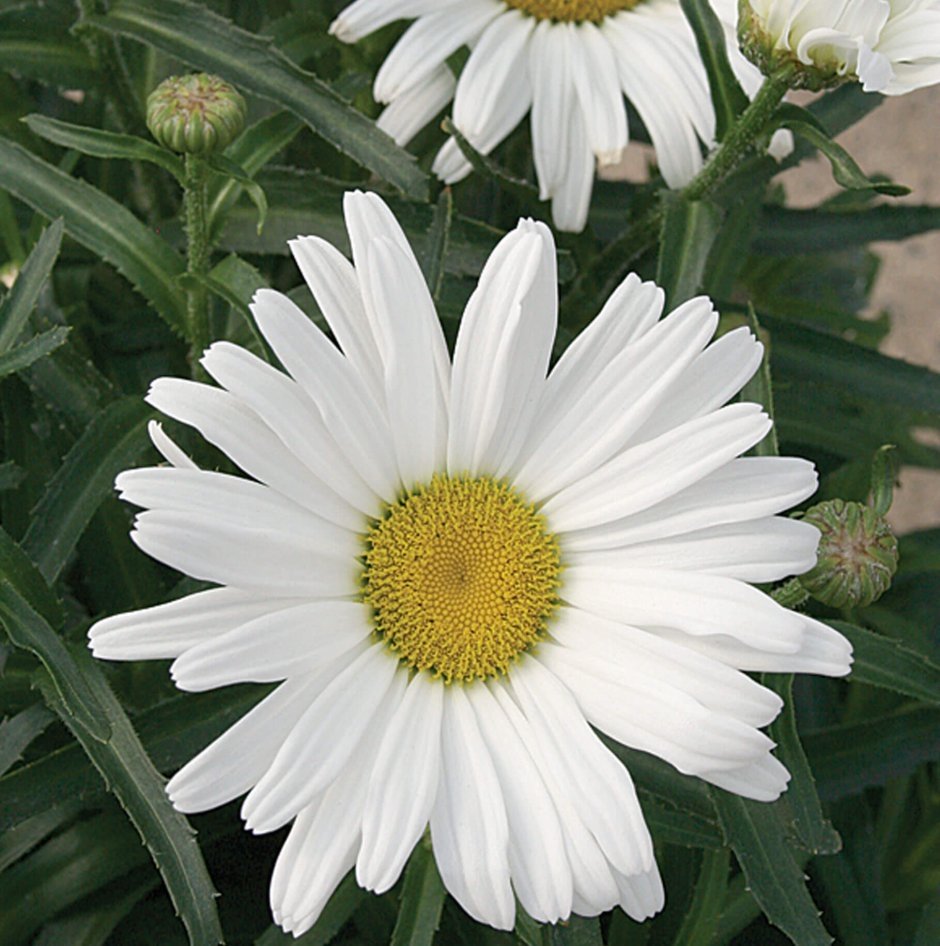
<point x="568" y="62"/>
<point x="458" y="567"/>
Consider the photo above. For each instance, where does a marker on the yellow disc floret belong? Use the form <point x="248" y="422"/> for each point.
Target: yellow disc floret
<point x="461" y="576"/>
<point x="572" y="11"/>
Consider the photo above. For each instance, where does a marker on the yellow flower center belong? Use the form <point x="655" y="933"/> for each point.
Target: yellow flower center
<point x="462" y="576"/>
<point x="572" y="11"/>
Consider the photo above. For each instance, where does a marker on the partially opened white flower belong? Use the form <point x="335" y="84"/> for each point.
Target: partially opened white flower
<point x="458" y="567"/>
<point x="569" y="63"/>
<point x="890" y="46"/>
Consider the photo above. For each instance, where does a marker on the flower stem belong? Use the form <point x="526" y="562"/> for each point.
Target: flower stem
<point x="616" y="259"/>
<point x="195" y="208"/>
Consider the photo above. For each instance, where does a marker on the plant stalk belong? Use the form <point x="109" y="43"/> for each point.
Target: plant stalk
<point x="195" y="209"/>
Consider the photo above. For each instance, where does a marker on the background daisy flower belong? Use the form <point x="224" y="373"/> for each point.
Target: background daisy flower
<point x="568" y="65"/>
<point x="457" y="569"/>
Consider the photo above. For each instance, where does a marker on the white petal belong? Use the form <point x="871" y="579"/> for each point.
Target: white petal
<point x="746" y="488"/>
<point x="603" y="787"/>
<point x="541" y="874"/>
<point x="366" y="16"/>
<point x="233" y="763"/>
<point x="714" y="684"/>
<point x="469" y="830"/>
<point x="600" y="418"/>
<point x="657" y="469"/>
<point x="758" y="550"/>
<point x="168" y="630"/>
<point x="502" y="351"/>
<point x="651" y="716"/>
<point x="335" y="286"/>
<point x="695" y="604"/>
<point x="353" y="419"/>
<point x="260" y="559"/>
<point x="322" y="845"/>
<point x="282" y="404"/>
<point x="239" y="433"/>
<point x="274" y="646"/>
<point x="598" y="89"/>
<point x="641" y="895"/>
<point x="324" y="740"/>
<point x="410" y="111"/>
<point x="763" y="780"/>
<point x="552" y="103"/>
<point x="572" y="197"/>
<point x="427" y="43"/>
<point x="167" y="448"/>
<point x="416" y="402"/>
<point x="403" y="785"/>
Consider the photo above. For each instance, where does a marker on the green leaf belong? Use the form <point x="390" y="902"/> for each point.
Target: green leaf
<point x="701" y="919"/>
<point x="228" y="168"/>
<point x="422" y="899"/>
<point x="786" y="231"/>
<point x="757" y="835"/>
<point x="24" y="836"/>
<point x="726" y="92"/>
<point x="813" y="830"/>
<point x="844" y="169"/>
<point x="11" y="475"/>
<point x="112" y="441"/>
<point x="131" y="777"/>
<point x="53" y="60"/>
<point x="576" y="931"/>
<point x="16" y="308"/>
<point x="337" y="912"/>
<point x="27" y="354"/>
<point x="84" y="858"/>
<point x="436" y="244"/>
<point x="883" y="475"/>
<point x="101" y="224"/>
<point x="884" y="662"/>
<point x="17" y="733"/>
<point x="760" y="390"/>
<point x="689" y="230"/>
<point x="104" y="144"/>
<point x="850" y="757"/>
<point x="208" y="41"/>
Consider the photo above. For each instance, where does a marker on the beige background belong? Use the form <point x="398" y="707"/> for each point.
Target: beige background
<point x="899" y="138"/>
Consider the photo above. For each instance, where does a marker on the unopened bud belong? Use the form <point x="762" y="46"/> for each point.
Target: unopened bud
<point x="195" y="114"/>
<point x="857" y="558"/>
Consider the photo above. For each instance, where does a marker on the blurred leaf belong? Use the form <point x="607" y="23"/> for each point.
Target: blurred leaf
<point x="111" y="442"/>
<point x="19" y="840"/>
<point x="844" y="169"/>
<point x="49" y="55"/>
<point x="575" y="931"/>
<point x="883" y="475"/>
<point x="850" y="757"/>
<point x="11" y="475"/>
<point x="436" y="243"/>
<point x="27" y="354"/>
<point x="101" y="224"/>
<point x="813" y="830"/>
<point x="701" y="919"/>
<point x="928" y="929"/>
<point x="104" y="144"/>
<point x="228" y="168"/>
<point x="131" y="777"/>
<point x="688" y="233"/>
<point x="883" y="662"/>
<point x="787" y="230"/>
<point x="727" y="95"/>
<point x="19" y="731"/>
<point x="18" y="305"/>
<point x="422" y="899"/>
<point x="82" y="859"/>
<point x="208" y="41"/>
<point x="757" y="835"/>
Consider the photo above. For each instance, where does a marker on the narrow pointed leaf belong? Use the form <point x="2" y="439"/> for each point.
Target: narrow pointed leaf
<point x="701" y="919"/>
<point x="208" y="41"/>
<point x="104" y="144"/>
<point x="19" y="731"/>
<point x="111" y="442"/>
<point x="25" y="355"/>
<point x="102" y="224"/>
<point x="689" y="230"/>
<point x="422" y="899"/>
<point x="436" y="243"/>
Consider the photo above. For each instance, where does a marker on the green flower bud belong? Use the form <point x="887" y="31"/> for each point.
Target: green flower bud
<point x="857" y="558"/>
<point x="195" y="114"/>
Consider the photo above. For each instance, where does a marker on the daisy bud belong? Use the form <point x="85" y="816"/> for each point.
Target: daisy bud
<point x="857" y="557"/>
<point x="889" y="48"/>
<point x="195" y="114"/>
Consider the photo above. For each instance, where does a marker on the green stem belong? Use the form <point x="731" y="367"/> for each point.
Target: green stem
<point x="195" y="209"/>
<point x="613" y="263"/>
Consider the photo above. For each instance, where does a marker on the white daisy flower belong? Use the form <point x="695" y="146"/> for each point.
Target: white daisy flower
<point x="890" y="46"/>
<point x="569" y="63"/>
<point x="458" y="567"/>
